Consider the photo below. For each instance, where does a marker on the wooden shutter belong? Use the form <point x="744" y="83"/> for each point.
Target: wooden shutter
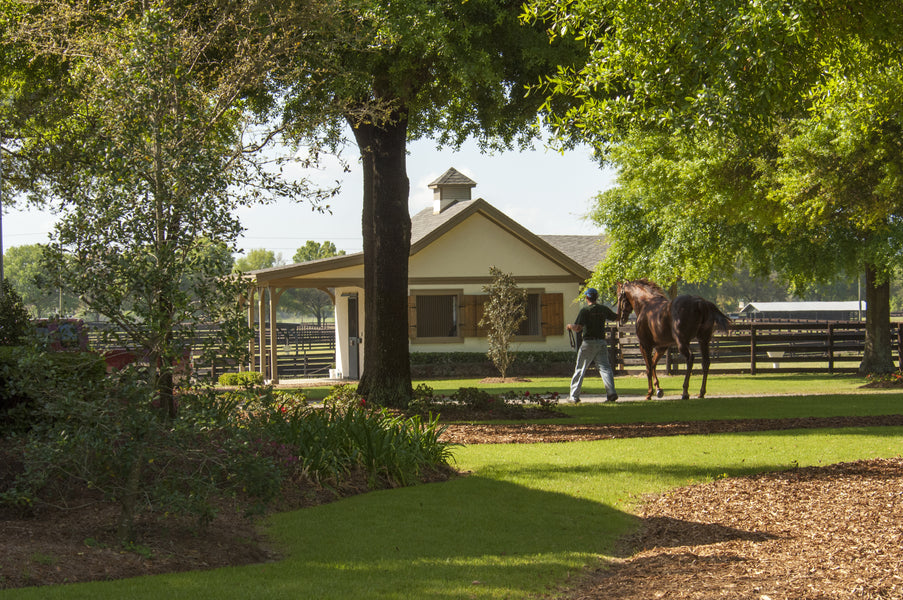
<point x="479" y="305"/>
<point x="412" y="317"/>
<point x="552" y="314"/>
<point x="471" y="311"/>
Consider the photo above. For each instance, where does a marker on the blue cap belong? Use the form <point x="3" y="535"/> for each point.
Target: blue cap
<point x="591" y="293"/>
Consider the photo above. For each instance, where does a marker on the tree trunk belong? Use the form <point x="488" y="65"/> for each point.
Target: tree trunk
<point x="386" y="224"/>
<point x="878" y="355"/>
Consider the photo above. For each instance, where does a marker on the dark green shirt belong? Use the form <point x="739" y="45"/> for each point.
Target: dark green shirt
<point x="592" y="317"/>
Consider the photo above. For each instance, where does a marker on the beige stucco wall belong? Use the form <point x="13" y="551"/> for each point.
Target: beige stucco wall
<point x="551" y="343"/>
<point x="342" y="344"/>
<point x="473" y="246"/>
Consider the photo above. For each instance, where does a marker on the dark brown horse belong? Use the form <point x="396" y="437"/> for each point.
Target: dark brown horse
<point x="662" y="323"/>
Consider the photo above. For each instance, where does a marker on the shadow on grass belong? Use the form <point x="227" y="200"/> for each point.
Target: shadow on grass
<point x="470" y="537"/>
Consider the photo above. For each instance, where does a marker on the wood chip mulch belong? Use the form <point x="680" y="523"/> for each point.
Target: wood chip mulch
<point x="530" y="433"/>
<point x="812" y="533"/>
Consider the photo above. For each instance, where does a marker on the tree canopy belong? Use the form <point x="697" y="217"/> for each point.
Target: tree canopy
<point x="41" y="291"/>
<point x="149" y="156"/>
<point x="750" y="132"/>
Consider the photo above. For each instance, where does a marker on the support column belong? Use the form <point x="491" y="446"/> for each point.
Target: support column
<point x="262" y="332"/>
<point x="249" y="366"/>
<point x="275" y="295"/>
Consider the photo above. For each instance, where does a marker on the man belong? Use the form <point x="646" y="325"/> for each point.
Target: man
<point x="591" y="322"/>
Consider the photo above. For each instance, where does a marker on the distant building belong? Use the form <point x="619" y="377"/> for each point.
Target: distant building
<point x="807" y="311"/>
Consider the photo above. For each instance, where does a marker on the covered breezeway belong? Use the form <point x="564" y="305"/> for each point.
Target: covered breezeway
<point x="341" y="277"/>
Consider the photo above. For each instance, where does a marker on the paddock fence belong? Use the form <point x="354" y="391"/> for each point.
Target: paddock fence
<point x="304" y="350"/>
<point x="308" y="351"/>
<point x="765" y="347"/>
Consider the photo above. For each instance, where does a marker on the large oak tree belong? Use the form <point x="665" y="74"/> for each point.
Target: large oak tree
<point x="448" y="69"/>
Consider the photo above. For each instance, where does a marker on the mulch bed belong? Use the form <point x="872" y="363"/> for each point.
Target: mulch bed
<point x="806" y="534"/>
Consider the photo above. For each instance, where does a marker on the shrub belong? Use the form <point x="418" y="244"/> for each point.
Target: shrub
<point x="13" y="315"/>
<point x="246" y="445"/>
<point x="477" y="400"/>
<point x="473" y="398"/>
<point x="28" y="375"/>
<point x="241" y="379"/>
<point x="502" y="314"/>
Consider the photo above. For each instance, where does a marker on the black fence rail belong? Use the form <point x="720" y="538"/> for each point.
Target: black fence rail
<point x="304" y="350"/>
<point x="784" y="347"/>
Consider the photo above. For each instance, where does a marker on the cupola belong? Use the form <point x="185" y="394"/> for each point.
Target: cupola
<point x="449" y="188"/>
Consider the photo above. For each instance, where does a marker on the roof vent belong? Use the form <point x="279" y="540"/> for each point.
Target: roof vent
<point x="449" y="188"/>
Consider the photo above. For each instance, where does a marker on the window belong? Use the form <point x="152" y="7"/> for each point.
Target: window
<point x="532" y="325"/>
<point x="435" y="316"/>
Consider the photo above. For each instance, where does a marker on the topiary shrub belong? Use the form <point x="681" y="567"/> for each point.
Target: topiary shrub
<point x="241" y="379"/>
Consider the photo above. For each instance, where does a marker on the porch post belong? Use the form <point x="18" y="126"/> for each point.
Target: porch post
<point x="275" y="295"/>
<point x="250" y="364"/>
<point x="262" y="332"/>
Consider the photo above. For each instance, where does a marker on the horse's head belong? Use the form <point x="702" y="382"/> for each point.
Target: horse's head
<point x="624" y="305"/>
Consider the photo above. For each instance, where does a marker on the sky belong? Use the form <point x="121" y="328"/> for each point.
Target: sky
<point x="547" y="192"/>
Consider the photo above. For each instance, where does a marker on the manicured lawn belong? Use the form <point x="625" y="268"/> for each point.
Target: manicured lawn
<point x="633" y="385"/>
<point x="524" y="518"/>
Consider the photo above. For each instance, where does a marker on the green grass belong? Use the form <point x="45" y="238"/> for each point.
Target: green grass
<point x="525" y="518"/>
<point x="635" y="385"/>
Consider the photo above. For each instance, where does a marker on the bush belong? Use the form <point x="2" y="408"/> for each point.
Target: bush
<point x="241" y="379"/>
<point x="476" y="400"/>
<point x="13" y="315"/>
<point x="245" y="445"/>
<point x="473" y="398"/>
<point x="28" y="375"/>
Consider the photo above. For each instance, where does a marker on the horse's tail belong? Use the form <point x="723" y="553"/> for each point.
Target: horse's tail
<point x="721" y="319"/>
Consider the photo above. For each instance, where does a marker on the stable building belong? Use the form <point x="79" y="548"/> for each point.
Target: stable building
<point x="453" y="245"/>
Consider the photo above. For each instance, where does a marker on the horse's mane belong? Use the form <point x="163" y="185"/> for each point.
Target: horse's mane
<point x="649" y="286"/>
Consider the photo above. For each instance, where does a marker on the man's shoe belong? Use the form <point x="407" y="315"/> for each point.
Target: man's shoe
<point x="574" y="400"/>
<point x="612" y="398"/>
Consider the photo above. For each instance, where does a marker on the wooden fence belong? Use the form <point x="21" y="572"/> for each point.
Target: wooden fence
<point x="798" y="347"/>
<point x="305" y="350"/>
<point x="748" y="347"/>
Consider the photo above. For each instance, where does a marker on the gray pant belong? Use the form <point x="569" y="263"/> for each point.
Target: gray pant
<point x="592" y="350"/>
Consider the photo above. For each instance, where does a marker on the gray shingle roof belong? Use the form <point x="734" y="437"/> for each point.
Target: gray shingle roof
<point x="587" y="250"/>
<point x="426" y="221"/>
<point x="453" y="177"/>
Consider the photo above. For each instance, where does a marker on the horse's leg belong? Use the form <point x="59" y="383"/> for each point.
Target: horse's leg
<point x="684" y="348"/>
<point x="704" y="353"/>
<point x="649" y="370"/>
<point x="656" y="356"/>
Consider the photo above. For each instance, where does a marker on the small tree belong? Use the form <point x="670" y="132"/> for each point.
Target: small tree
<point x="13" y="315"/>
<point x="503" y="314"/>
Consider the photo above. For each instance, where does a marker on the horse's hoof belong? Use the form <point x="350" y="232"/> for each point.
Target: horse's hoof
<point x="660" y="393"/>
<point x="685" y="397"/>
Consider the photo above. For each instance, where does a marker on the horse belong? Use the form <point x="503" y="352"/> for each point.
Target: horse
<point x="662" y="323"/>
